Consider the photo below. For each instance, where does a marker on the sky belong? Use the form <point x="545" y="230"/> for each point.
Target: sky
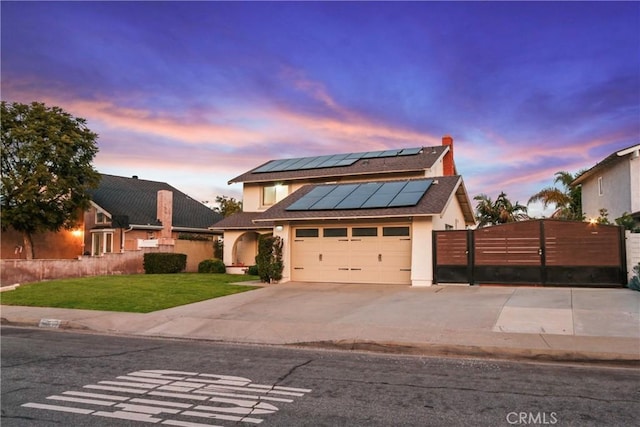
<point x="196" y="93"/>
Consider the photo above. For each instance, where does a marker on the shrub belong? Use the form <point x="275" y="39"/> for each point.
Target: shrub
<point x="269" y="258"/>
<point x="634" y="283"/>
<point x="213" y="265"/>
<point x="164" y="263"/>
<point x="253" y="270"/>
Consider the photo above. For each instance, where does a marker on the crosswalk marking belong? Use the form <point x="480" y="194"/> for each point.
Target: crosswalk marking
<point x="177" y="398"/>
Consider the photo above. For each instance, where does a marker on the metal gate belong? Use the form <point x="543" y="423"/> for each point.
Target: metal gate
<point x="546" y="252"/>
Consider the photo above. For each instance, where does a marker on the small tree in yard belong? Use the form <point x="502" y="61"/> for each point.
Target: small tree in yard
<point x="46" y="169"/>
<point x="269" y="258"/>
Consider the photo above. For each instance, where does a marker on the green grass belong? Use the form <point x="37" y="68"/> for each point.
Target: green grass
<point x="138" y="293"/>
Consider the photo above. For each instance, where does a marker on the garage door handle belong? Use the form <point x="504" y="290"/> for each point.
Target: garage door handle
<point x="356" y="269"/>
<point x="319" y="257"/>
<point x="379" y="257"/>
<point x="298" y="268"/>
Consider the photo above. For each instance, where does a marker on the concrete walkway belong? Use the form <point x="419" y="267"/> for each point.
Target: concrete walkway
<point x="562" y="324"/>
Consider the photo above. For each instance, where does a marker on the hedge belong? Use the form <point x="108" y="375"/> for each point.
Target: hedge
<point x="212" y="265"/>
<point x="164" y="263"/>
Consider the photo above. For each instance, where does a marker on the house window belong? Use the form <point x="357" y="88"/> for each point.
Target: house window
<point x="101" y="243"/>
<point x="272" y="194"/>
<point x="600" y="188"/>
<point x="364" y="231"/>
<point x="307" y="232"/>
<point x="102" y="218"/>
<point x="395" y="231"/>
<point x="334" y="232"/>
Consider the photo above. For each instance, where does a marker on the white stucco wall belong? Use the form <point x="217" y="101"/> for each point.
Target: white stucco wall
<point x="633" y="251"/>
<point x="616" y="186"/>
<point x="284" y="232"/>
<point x="421" y="252"/>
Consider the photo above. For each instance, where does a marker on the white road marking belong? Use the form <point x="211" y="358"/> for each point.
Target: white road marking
<point x="162" y="402"/>
<point x="153" y="410"/>
<point x="57" y="408"/>
<point x="179" y="396"/>
<point x="79" y="400"/>
<point x="132" y="416"/>
<point x="122" y="389"/>
<point x="222" y="417"/>
<point x="96" y="395"/>
<point x="187" y="424"/>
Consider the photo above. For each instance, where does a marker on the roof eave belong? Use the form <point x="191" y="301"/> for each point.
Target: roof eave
<point x="344" y="173"/>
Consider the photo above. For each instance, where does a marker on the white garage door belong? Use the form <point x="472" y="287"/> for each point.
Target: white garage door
<point x="354" y="254"/>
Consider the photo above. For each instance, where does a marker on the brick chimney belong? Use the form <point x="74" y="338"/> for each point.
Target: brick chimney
<point x="448" y="166"/>
<point x="165" y="215"/>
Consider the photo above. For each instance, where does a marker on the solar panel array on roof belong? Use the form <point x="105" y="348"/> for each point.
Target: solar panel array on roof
<point x="331" y="161"/>
<point x="363" y="196"/>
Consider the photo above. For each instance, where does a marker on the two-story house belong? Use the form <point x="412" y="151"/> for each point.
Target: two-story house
<point x="361" y="217"/>
<point x="612" y="184"/>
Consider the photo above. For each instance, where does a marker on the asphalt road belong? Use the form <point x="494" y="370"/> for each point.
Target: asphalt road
<point x="58" y="378"/>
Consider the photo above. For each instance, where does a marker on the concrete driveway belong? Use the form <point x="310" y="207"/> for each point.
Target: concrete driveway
<point x="525" y="320"/>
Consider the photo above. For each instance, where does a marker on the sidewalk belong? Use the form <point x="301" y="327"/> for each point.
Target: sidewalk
<point x="559" y="324"/>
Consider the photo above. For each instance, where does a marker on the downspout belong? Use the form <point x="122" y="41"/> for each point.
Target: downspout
<point x="122" y="233"/>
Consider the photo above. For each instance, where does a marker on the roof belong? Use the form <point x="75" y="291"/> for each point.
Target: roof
<point x="609" y="160"/>
<point x="137" y="199"/>
<point x="240" y="221"/>
<point x="424" y="158"/>
<point x="433" y="202"/>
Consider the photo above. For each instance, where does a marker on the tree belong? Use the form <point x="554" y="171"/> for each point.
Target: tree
<point x="501" y="211"/>
<point x="46" y="165"/>
<point x="227" y="206"/>
<point x="567" y="200"/>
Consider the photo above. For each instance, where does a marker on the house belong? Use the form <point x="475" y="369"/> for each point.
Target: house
<point x="131" y="213"/>
<point x="613" y="184"/>
<point x="352" y="217"/>
<point x="128" y="214"/>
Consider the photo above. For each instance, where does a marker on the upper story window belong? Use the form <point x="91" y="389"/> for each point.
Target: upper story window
<point x="600" y="187"/>
<point x="272" y="194"/>
<point x="102" y="218"/>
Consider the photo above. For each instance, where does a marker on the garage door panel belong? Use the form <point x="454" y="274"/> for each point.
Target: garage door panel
<point x="358" y="254"/>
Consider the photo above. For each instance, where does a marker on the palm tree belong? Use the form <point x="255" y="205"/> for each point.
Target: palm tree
<point x="567" y="200"/>
<point x="501" y="211"/>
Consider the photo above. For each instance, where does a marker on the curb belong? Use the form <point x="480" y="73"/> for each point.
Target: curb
<point x="397" y="348"/>
<point x="505" y="353"/>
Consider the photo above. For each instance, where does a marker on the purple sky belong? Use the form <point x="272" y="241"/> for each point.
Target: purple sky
<point x="195" y="93"/>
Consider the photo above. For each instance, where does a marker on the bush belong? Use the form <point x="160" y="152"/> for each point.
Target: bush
<point x="253" y="270"/>
<point x="164" y="263"/>
<point x="269" y="258"/>
<point x="634" y="283"/>
<point x="213" y="265"/>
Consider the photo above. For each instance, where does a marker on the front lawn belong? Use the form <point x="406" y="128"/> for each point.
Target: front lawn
<point x="137" y="293"/>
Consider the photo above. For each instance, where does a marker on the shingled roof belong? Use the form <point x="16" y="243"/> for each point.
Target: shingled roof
<point x="433" y="202"/>
<point x="137" y="199"/>
<point x="423" y="160"/>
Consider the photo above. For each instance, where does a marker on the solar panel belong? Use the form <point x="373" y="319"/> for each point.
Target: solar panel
<point x="309" y="199"/>
<point x="384" y="195"/>
<point x="357" y="198"/>
<point x="337" y="195"/>
<point x="330" y="161"/>
<point x="363" y="196"/>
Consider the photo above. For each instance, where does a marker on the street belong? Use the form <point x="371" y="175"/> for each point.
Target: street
<point x="52" y="377"/>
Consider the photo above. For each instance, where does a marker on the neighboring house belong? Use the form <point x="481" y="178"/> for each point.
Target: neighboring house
<point x="127" y="214"/>
<point x="130" y="213"/>
<point x="613" y="184"/>
<point x="351" y="218"/>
